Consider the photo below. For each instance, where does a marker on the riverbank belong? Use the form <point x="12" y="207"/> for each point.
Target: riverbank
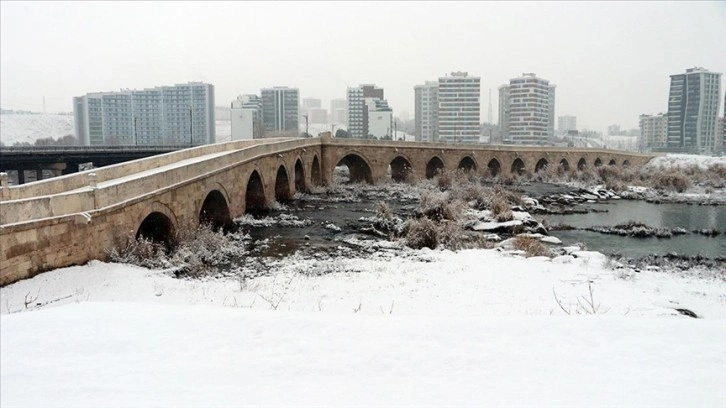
<point x="398" y="326"/>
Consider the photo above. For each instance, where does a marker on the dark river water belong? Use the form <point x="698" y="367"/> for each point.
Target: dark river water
<point x="316" y="237"/>
<point x="688" y="217"/>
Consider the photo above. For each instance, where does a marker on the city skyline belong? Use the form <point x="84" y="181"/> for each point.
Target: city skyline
<point x="599" y="54"/>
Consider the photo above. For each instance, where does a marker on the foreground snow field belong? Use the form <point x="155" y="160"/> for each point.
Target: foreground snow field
<point x="402" y="327"/>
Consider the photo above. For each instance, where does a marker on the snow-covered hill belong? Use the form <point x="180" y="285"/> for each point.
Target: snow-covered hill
<point x="27" y="128"/>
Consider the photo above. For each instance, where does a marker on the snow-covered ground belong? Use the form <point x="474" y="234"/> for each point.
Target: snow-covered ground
<point x="673" y="160"/>
<point x="403" y="327"/>
<point x="22" y="128"/>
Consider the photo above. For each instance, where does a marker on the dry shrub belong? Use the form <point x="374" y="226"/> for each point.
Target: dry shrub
<point x="471" y="191"/>
<point x="198" y="251"/>
<point x="718" y="170"/>
<point x="499" y="205"/>
<point x="615" y="185"/>
<point x="530" y="246"/>
<point x="508" y="196"/>
<point x="438" y="206"/>
<point x="141" y="252"/>
<point x="450" y="235"/>
<point x="671" y="181"/>
<point x="505" y="216"/>
<point x="608" y="173"/>
<point x="421" y="233"/>
<point x="444" y="179"/>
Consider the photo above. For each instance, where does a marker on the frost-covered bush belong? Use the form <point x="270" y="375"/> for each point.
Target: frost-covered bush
<point x="439" y="206"/>
<point x="420" y="233"/>
<point x="198" y="251"/>
<point x="530" y="246"/>
<point x="671" y="181"/>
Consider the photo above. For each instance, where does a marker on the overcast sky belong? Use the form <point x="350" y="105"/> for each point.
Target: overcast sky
<point x="610" y="61"/>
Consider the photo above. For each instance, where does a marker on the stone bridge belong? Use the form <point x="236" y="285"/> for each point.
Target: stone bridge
<point x="72" y="219"/>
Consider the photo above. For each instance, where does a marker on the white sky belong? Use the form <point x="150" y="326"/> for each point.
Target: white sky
<point x="611" y="61"/>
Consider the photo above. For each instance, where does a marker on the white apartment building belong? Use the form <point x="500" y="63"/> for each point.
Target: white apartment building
<point x="653" y="131"/>
<point x="246" y="117"/>
<point x="280" y="110"/>
<point x="693" y="104"/>
<point x="504" y="112"/>
<point x="426" y="112"/>
<point x="380" y="118"/>
<point x="182" y="114"/>
<point x="338" y="111"/>
<point x="358" y="109"/>
<point x="551" y="107"/>
<point x="566" y="123"/>
<point x="531" y="108"/>
<point x="459" y="108"/>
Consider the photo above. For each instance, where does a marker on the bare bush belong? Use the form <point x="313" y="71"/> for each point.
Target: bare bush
<point x="199" y="251"/>
<point x="671" y="181"/>
<point x="499" y="206"/>
<point x="530" y="246"/>
<point x="421" y="233"/>
<point x="505" y="216"/>
<point x="438" y="206"/>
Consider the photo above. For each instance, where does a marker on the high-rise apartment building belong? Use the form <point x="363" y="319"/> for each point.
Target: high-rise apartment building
<point x="693" y="106"/>
<point x="551" y="118"/>
<point x="504" y="112"/>
<point x="339" y="111"/>
<point x="246" y="117"/>
<point x="358" y="108"/>
<point x="311" y="103"/>
<point x="380" y="118"/>
<point x="566" y="123"/>
<point x="459" y="108"/>
<point x="530" y="109"/>
<point x="426" y="112"/>
<point x="182" y="114"/>
<point x="653" y="131"/>
<point x="280" y="108"/>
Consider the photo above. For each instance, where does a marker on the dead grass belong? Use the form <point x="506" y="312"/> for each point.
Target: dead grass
<point x="530" y="246"/>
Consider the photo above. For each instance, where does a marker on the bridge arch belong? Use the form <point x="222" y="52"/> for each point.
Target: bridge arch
<point x="434" y="165"/>
<point x="598" y="162"/>
<point x="612" y="163"/>
<point x="158" y="228"/>
<point x="565" y="165"/>
<point x="299" y="176"/>
<point x="494" y="167"/>
<point x="517" y="166"/>
<point x="541" y="165"/>
<point x="626" y="163"/>
<point x="255" y="193"/>
<point x="215" y="210"/>
<point x="316" y="178"/>
<point x="358" y="168"/>
<point x="467" y="163"/>
<point x="282" y="184"/>
<point x="581" y="164"/>
<point x="401" y="168"/>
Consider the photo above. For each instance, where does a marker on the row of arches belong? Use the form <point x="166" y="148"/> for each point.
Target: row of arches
<point x="400" y="167"/>
<point x="160" y="225"/>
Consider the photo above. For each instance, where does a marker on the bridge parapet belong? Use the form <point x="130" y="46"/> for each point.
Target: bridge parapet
<point x="78" y="180"/>
<point x="101" y="194"/>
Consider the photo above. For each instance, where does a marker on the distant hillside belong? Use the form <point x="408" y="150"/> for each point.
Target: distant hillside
<point x="26" y="127"/>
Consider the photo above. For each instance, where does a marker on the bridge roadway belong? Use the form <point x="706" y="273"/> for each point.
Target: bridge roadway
<point x="71" y="219"/>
